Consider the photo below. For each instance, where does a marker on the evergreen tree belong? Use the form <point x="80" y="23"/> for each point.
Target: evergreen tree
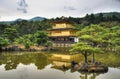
<point x="41" y="37"/>
<point x="11" y="34"/>
<point x="3" y="42"/>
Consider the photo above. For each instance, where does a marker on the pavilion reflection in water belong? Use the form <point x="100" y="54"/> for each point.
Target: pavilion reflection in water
<point x="58" y="60"/>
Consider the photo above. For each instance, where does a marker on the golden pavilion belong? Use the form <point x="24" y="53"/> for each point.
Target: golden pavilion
<point x="63" y="32"/>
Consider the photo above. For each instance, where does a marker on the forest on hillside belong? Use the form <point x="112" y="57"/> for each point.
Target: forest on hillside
<point x="30" y="33"/>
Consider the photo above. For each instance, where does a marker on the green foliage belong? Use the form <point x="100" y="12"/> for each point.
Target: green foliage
<point x="30" y="27"/>
<point x="41" y="37"/>
<point x="100" y="36"/>
<point x="11" y="34"/>
<point x="82" y="48"/>
<point x="49" y="43"/>
<point x="3" y="42"/>
<point x="2" y="27"/>
<point x="26" y="40"/>
<point x="78" y="26"/>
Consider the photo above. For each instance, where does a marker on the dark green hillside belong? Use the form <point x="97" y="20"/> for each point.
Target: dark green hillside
<point x="37" y="19"/>
<point x="110" y="14"/>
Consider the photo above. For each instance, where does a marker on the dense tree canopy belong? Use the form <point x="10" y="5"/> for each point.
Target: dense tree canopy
<point x="26" y="40"/>
<point x="11" y="34"/>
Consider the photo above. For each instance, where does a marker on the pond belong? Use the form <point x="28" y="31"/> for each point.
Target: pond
<point x="42" y="65"/>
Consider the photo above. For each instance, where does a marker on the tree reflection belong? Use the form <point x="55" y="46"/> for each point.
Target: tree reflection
<point x="41" y="61"/>
<point x="11" y="61"/>
<point x="86" y="75"/>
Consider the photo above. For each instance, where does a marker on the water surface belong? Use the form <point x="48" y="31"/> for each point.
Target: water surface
<point x="36" y="65"/>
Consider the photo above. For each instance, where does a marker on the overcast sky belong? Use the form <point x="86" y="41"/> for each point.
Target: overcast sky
<point x="56" y="8"/>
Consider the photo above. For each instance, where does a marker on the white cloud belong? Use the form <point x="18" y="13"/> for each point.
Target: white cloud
<point x="57" y="8"/>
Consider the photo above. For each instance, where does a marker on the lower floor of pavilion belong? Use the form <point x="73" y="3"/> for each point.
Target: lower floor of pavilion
<point x="64" y="39"/>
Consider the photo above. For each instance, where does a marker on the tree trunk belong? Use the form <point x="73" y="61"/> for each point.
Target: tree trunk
<point x="86" y="76"/>
<point x="93" y="57"/>
<point x="85" y="57"/>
